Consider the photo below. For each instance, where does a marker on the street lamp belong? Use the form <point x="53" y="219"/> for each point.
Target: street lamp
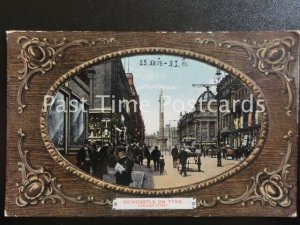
<point x="218" y="77"/>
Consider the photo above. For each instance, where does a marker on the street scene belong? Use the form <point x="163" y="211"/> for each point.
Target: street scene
<point x="154" y="121"/>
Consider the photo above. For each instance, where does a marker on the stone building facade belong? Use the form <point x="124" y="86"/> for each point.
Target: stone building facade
<point x="239" y="128"/>
<point x="171" y="135"/>
<point x="137" y="125"/>
<point x="109" y="109"/>
<point x="114" y="111"/>
<point x="199" y="126"/>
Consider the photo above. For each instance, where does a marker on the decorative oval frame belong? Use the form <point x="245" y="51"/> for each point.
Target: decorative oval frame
<point x="58" y="158"/>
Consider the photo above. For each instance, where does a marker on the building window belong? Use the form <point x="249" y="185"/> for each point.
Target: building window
<point x="77" y="122"/>
<point x="204" y="131"/>
<point x="57" y="120"/>
<point x="204" y="137"/>
<point x="212" y="130"/>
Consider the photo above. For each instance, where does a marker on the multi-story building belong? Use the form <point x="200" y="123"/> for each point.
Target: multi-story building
<point x="200" y="125"/>
<point x="108" y="108"/>
<point x="137" y="126"/>
<point x="240" y="125"/>
<point x="109" y="120"/>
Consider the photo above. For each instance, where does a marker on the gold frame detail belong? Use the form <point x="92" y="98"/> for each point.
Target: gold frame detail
<point x="270" y="57"/>
<point x="40" y="56"/>
<point x="267" y="187"/>
<point x="159" y="192"/>
<point x="38" y="185"/>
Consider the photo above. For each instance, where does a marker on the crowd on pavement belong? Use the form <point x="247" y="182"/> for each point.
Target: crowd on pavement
<point x="95" y="158"/>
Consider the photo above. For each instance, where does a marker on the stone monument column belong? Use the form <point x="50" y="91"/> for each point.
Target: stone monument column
<point x="161" y="137"/>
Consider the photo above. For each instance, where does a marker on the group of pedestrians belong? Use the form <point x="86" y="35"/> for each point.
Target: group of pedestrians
<point x="95" y="158"/>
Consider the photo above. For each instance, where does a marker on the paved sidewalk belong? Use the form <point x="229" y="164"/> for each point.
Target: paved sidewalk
<point x="144" y="177"/>
<point x="172" y="178"/>
<point x="137" y="177"/>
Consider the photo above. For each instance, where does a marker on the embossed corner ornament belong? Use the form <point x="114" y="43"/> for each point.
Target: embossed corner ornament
<point x="40" y="56"/>
<point x="270" y="57"/>
<point x="38" y="185"/>
<point x="268" y="187"/>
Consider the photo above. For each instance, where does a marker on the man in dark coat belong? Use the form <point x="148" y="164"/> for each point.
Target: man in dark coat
<point x="139" y="155"/>
<point x="123" y="177"/>
<point x="183" y="156"/>
<point x="100" y="160"/>
<point x="131" y="153"/>
<point x="174" y="153"/>
<point x="147" y="155"/>
<point x="155" y="154"/>
<point x="84" y="157"/>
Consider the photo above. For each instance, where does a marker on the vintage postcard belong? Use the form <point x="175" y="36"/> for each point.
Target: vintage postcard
<point x="152" y="124"/>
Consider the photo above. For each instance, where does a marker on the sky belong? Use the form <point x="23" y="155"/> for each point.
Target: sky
<point x="176" y="83"/>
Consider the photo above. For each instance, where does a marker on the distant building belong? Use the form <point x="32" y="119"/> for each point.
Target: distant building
<point x="151" y="140"/>
<point x="200" y="125"/>
<point x="171" y="135"/>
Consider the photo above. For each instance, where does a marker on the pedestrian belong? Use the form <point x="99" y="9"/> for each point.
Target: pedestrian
<point x="224" y="151"/>
<point x="139" y="155"/>
<point x="123" y="168"/>
<point x="84" y="157"/>
<point x="147" y="155"/>
<point x="155" y="154"/>
<point x="174" y="153"/>
<point x="183" y="156"/>
<point x="161" y="165"/>
<point x="207" y="152"/>
<point x="100" y="160"/>
<point x="130" y="153"/>
<point x="203" y="151"/>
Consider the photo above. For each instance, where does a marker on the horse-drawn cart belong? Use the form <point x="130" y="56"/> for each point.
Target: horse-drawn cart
<point x="196" y="155"/>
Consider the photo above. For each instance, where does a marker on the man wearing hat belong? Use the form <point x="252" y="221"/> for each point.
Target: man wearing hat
<point x="183" y="156"/>
<point x="84" y="157"/>
<point x="123" y="168"/>
<point x="147" y="155"/>
<point x="100" y="160"/>
<point x="174" y="153"/>
<point x="155" y="154"/>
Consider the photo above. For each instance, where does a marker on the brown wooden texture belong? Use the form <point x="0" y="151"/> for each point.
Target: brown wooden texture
<point x="281" y="121"/>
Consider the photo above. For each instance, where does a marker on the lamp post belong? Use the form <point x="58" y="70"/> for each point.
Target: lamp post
<point x="218" y="77"/>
